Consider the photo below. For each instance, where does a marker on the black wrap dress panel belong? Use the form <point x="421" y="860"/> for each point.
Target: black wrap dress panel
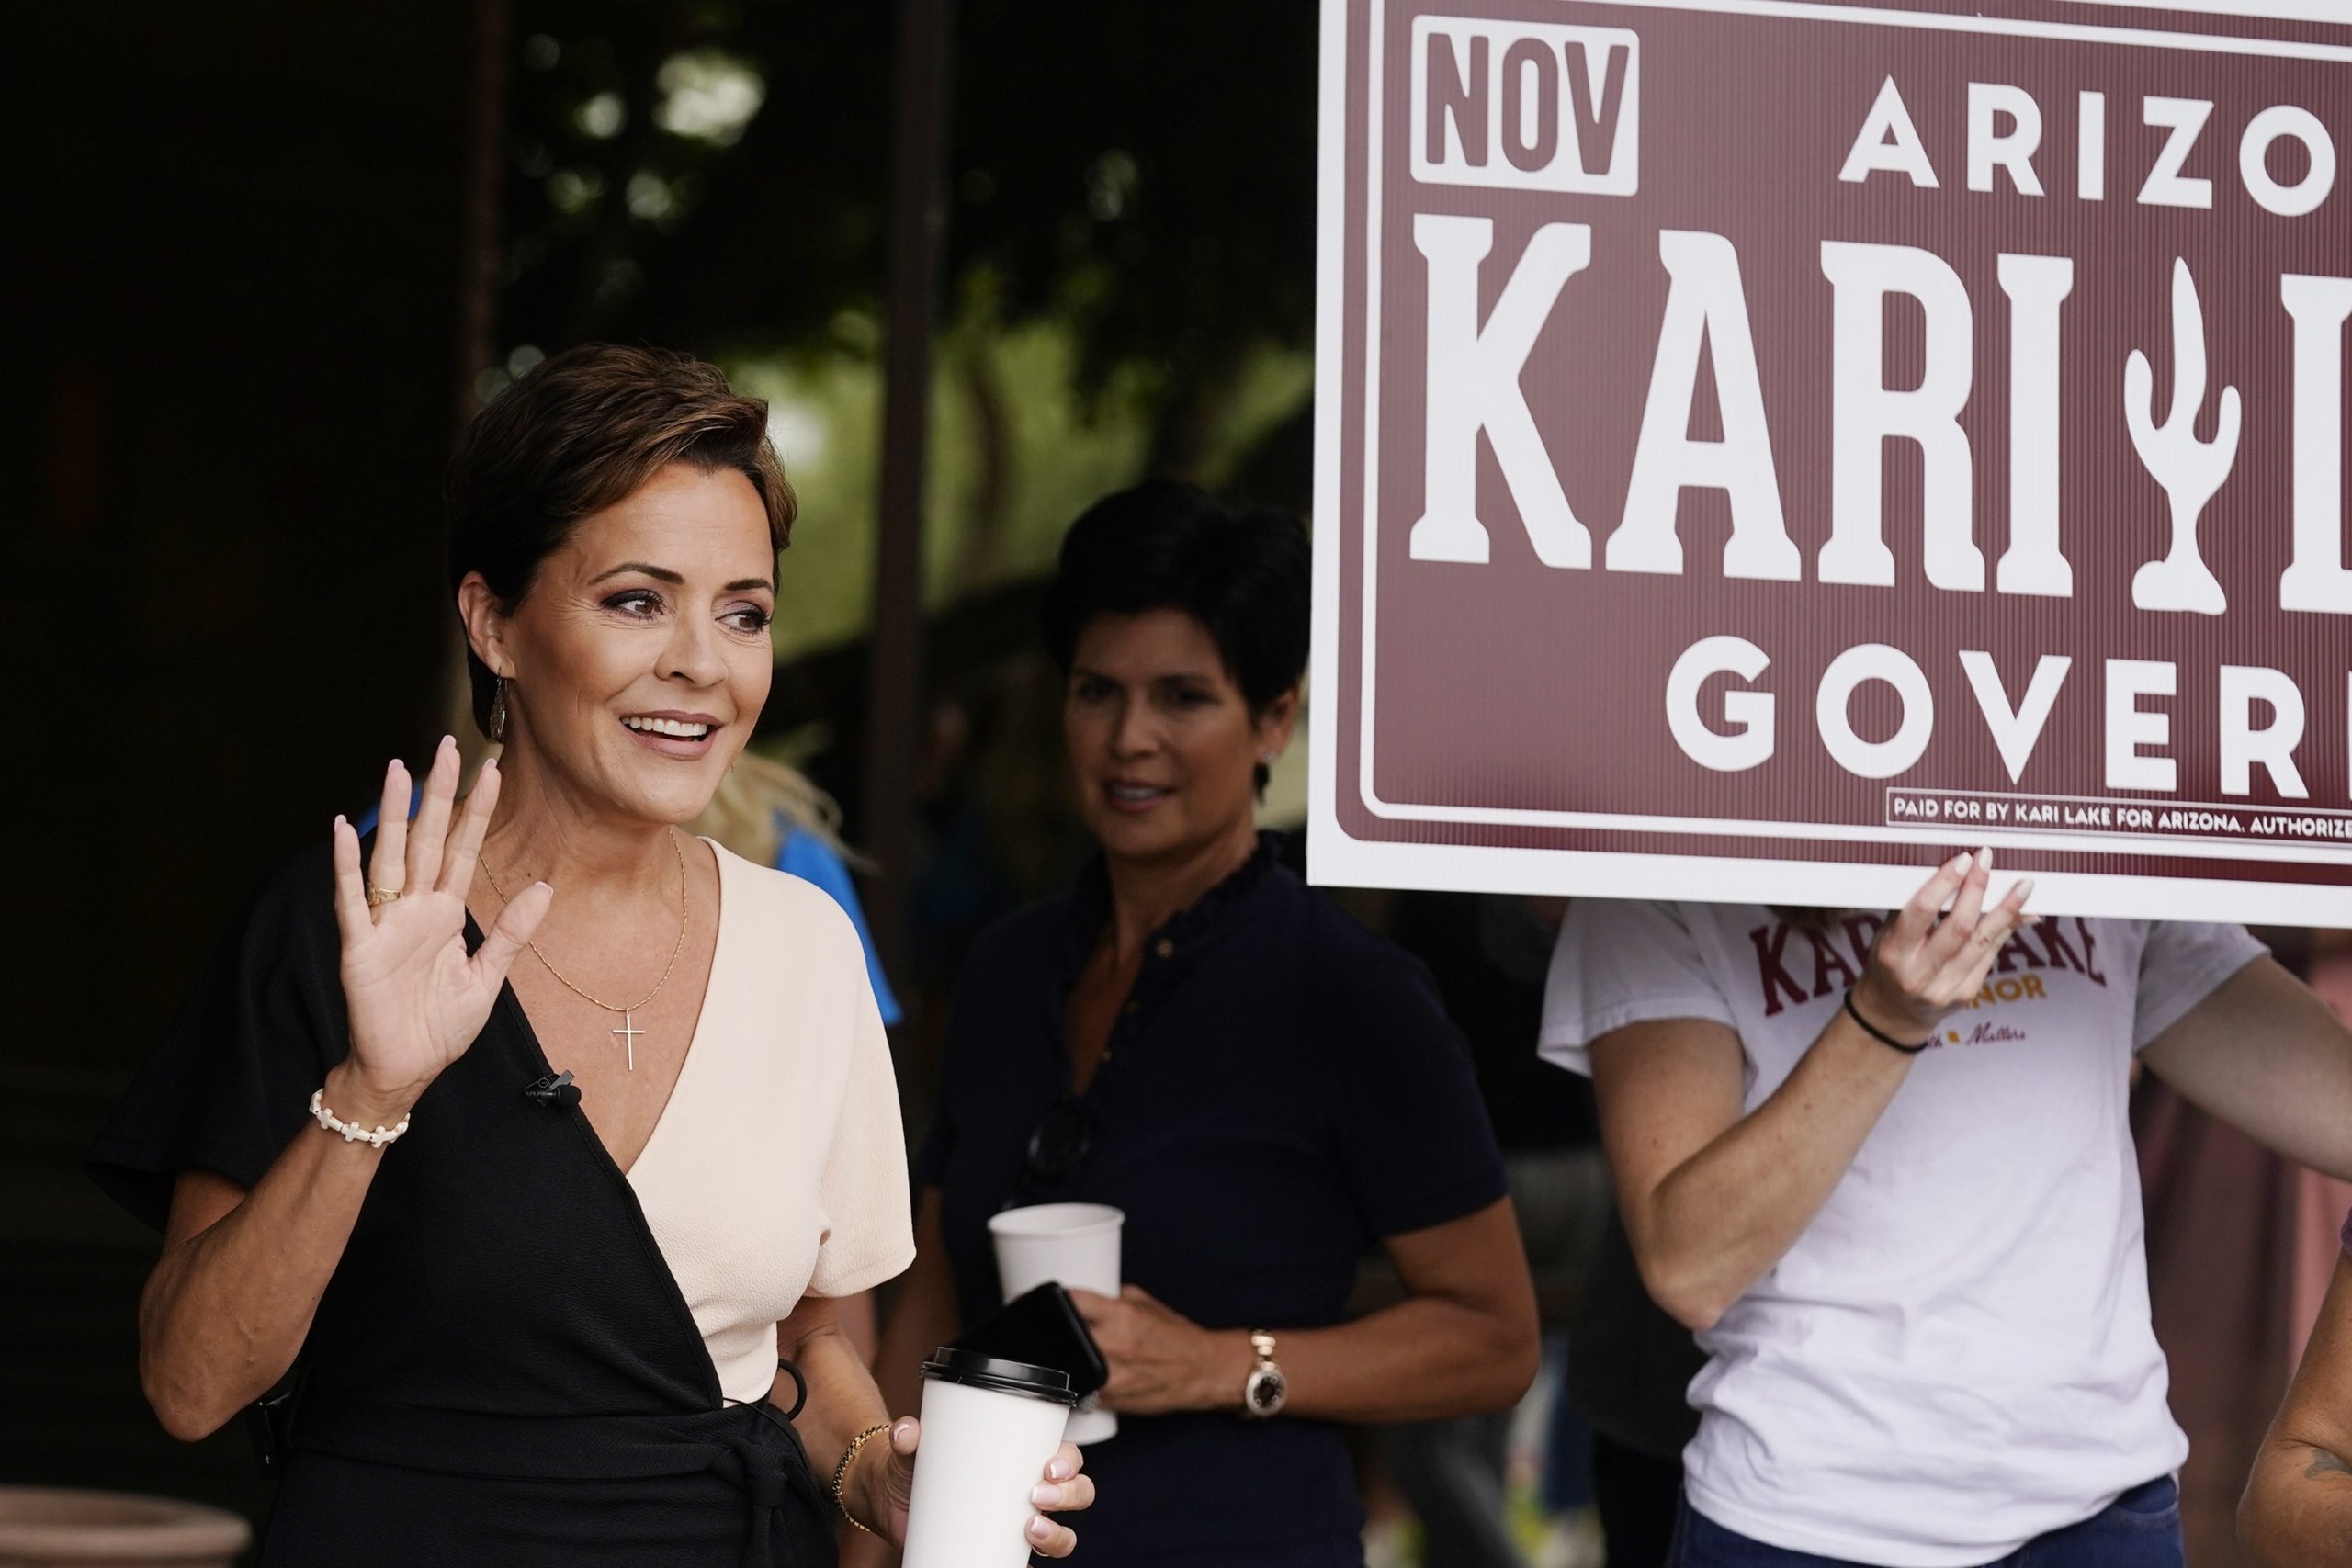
<point x="514" y="1363"/>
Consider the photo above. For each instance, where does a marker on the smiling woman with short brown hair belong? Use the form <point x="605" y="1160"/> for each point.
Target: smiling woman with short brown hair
<point x="625" y="414"/>
<point x="531" y="1215"/>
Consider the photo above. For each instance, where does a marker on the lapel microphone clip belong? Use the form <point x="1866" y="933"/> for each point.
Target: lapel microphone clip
<point x="556" y="1092"/>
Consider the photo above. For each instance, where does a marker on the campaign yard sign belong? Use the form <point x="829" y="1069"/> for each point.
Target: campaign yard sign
<point x="1766" y="447"/>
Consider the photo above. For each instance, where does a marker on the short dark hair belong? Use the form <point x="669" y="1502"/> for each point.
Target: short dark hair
<point x="1243" y="572"/>
<point x="583" y="430"/>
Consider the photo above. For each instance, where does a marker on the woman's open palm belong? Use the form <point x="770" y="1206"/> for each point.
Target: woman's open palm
<point x="416" y="997"/>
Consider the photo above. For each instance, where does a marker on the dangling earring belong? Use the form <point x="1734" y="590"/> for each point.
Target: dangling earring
<point x="498" y="715"/>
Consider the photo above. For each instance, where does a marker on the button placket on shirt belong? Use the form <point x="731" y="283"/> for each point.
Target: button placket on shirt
<point x="1143" y="998"/>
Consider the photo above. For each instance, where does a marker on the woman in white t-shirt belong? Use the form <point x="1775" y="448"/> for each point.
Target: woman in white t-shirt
<point x="1884" y="1168"/>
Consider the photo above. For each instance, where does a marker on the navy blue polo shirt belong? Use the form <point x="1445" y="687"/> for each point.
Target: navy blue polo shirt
<point x="1283" y="1091"/>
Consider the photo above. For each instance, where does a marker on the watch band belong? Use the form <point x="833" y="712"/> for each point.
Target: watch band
<point x="1266" y="1390"/>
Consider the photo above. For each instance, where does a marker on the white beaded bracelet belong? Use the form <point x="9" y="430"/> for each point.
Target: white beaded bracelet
<point x="351" y="1133"/>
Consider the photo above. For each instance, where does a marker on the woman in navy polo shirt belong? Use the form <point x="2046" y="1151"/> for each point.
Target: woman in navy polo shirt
<point x="1266" y="1089"/>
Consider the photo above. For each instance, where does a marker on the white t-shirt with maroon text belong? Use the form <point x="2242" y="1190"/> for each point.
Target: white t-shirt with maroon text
<point x="1955" y="1355"/>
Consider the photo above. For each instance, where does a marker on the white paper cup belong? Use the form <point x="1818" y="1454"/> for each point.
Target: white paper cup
<point x="989" y="1429"/>
<point x="1075" y="1245"/>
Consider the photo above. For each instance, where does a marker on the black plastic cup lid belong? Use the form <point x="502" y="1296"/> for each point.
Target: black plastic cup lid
<point x="969" y="1367"/>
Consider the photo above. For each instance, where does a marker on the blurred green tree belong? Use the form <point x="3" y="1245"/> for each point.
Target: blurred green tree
<point x="712" y="173"/>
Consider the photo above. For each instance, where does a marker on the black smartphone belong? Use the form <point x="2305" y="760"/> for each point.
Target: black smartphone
<point x="1044" y="1329"/>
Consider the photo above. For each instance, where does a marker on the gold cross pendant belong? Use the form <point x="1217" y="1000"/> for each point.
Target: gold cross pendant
<point x="628" y="1033"/>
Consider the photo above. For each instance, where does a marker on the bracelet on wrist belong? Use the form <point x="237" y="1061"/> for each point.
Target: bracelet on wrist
<point x="352" y="1133"/>
<point x="1881" y="1036"/>
<point x="840" y="1475"/>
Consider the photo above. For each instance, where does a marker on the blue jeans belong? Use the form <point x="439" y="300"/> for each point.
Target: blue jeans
<point x="2139" y="1529"/>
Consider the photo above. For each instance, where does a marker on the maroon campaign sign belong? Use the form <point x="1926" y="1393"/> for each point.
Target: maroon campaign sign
<point x="1765" y="447"/>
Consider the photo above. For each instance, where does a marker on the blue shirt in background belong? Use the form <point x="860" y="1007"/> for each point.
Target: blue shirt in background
<point x="809" y="858"/>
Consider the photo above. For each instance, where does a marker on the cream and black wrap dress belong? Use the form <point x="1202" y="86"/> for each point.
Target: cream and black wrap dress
<point x="528" y="1357"/>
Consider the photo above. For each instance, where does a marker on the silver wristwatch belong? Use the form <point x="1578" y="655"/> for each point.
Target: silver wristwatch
<point x="1267" y="1389"/>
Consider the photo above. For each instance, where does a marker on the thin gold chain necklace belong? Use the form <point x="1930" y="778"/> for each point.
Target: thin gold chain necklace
<point x="629" y="1031"/>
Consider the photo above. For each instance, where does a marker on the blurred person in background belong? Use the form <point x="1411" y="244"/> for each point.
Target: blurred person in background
<point x="1488" y="953"/>
<point x="2241" y="1247"/>
<point x="535" y="1278"/>
<point x="1267" y="1089"/>
<point x="1630" y="1366"/>
<point x="770" y="813"/>
<point x="1884" y="1168"/>
<point x="2298" y="1507"/>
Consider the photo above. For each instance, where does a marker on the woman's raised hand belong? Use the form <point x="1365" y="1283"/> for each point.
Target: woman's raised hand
<point x="416" y="996"/>
<point x="1928" y="960"/>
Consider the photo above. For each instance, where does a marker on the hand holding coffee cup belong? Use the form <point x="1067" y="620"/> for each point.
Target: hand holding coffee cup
<point x="1075" y="1245"/>
<point x="981" y="1500"/>
<point x="1161" y="1360"/>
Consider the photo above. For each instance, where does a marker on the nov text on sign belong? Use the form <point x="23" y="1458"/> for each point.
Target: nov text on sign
<point x="1766" y="447"/>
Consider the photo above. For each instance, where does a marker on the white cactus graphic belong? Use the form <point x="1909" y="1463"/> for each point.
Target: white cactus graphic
<point x="2189" y="470"/>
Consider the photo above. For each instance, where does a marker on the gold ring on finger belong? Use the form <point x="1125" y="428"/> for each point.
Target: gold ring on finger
<point x="379" y="896"/>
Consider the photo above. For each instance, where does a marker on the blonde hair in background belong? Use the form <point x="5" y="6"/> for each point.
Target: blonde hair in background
<point x="758" y="799"/>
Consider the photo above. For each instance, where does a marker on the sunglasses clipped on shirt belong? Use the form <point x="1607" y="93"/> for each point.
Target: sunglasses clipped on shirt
<point x="1064" y="1137"/>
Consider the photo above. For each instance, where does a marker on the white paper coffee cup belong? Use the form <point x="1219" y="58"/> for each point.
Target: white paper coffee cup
<point x="990" y="1428"/>
<point x="1075" y="1245"/>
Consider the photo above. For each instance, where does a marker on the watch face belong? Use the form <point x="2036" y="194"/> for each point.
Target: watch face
<point x="1268" y="1389"/>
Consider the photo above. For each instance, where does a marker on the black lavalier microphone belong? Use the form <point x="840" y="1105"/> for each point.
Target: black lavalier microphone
<point x="556" y="1092"/>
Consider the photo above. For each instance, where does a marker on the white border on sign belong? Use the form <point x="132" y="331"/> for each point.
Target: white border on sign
<point x="1323" y="828"/>
<point x="2077" y="32"/>
<point x="1334" y="859"/>
<point x="2338" y="11"/>
<point x="1339" y="858"/>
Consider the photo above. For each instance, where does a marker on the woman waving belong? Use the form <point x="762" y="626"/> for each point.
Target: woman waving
<point x="535" y="1136"/>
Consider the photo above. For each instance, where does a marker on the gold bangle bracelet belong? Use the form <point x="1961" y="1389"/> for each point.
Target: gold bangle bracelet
<point x="840" y="1475"/>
